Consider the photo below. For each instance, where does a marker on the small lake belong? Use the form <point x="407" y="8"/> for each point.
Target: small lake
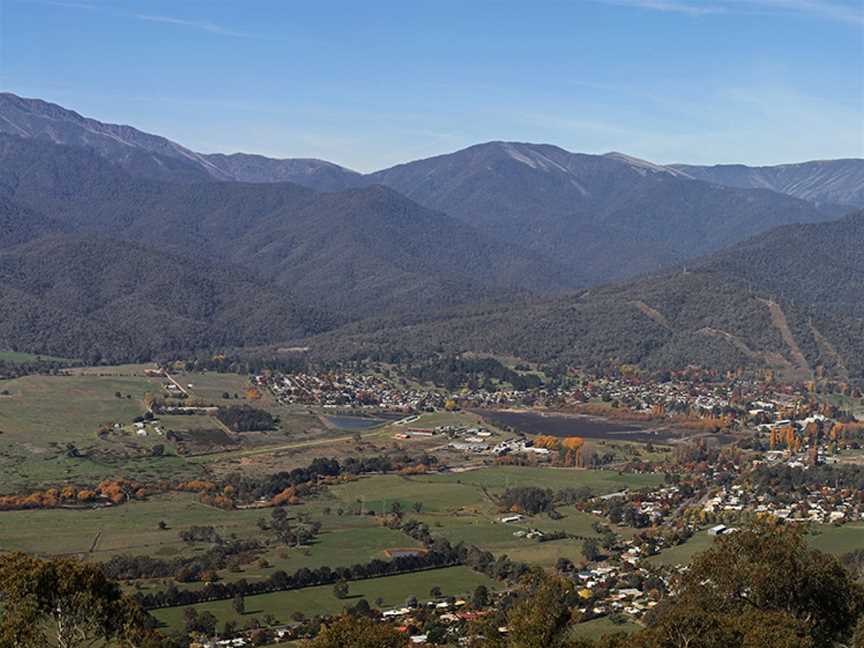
<point x="355" y="422"/>
<point x="565" y="425"/>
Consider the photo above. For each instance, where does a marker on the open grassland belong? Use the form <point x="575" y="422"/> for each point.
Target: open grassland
<point x="599" y="481"/>
<point x="461" y="507"/>
<point x="21" y="470"/>
<point x="136" y="369"/>
<point x="838" y="540"/>
<point x="461" y="512"/>
<point x="394" y="590"/>
<point x="44" y="414"/>
<point x="17" y="357"/>
<point x="682" y="554"/>
<point x="132" y="528"/>
<point x="41" y="415"/>
<point x="430" y="421"/>
<point x="61" y="409"/>
<point x="212" y="386"/>
<point x="603" y="626"/>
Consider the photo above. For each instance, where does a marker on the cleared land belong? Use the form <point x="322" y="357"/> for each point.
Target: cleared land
<point x="17" y="357"/>
<point x="394" y="590"/>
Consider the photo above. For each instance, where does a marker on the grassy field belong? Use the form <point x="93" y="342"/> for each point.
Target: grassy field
<point x="456" y="507"/>
<point x="838" y="540"/>
<point x="211" y="386"/>
<point x="61" y="409"/>
<point x="682" y="554"/>
<point x="17" y="357"/>
<point x="597" y="628"/>
<point x="599" y="481"/>
<point x="129" y="528"/>
<point x="394" y="590"/>
<point x="830" y="539"/>
<point x="437" y="419"/>
<point x="43" y="414"/>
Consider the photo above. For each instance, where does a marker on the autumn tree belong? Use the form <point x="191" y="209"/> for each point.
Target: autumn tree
<point x="541" y="618"/>
<point x="761" y="586"/>
<point x="359" y="632"/>
<point x="66" y="603"/>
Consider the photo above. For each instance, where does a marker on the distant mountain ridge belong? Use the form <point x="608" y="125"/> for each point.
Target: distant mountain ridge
<point x="606" y="217"/>
<point x="356" y="252"/>
<point x="839" y="182"/>
<point x="156" y="157"/>
<point x="462" y="251"/>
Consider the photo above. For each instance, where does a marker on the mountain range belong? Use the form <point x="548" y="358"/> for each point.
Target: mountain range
<point x="823" y="182"/>
<point x="790" y="300"/>
<point x="119" y="244"/>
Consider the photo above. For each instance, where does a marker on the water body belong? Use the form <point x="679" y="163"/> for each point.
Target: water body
<point x="355" y="422"/>
<point x="566" y="425"/>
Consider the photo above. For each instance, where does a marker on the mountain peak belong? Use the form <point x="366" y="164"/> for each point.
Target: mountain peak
<point x="156" y="157"/>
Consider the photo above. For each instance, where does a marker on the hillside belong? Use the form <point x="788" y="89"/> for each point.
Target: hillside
<point x="838" y="182"/>
<point x="356" y="252"/>
<point x="594" y="217"/>
<point x="820" y="265"/>
<point x="155" y="157"/>
<point x="316" y="174"/>
<point x="789" y="300"/>
<point x="603" y="217"/>
<point x="107" y="300"/>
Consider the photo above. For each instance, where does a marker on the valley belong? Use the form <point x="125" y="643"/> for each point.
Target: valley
<point x="262" y="397"/>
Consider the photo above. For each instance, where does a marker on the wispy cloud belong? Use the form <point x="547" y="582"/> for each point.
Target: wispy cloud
<point x="671" y="6"/>
<point x="70" y="4"/>
<point x="839" y="10"/>
<point x="202" y="25"/>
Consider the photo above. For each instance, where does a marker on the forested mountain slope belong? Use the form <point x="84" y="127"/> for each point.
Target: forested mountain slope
<point x="789" y="300"/>
<point x="605" y="217"/>
<point x="598" y="217"/>
<point x="353" y="252"/>
<point x="107" y="300"/>
<point x="839" y="182"/>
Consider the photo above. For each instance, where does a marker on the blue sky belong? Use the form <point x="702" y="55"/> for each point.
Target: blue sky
<point x="371" y="84"/>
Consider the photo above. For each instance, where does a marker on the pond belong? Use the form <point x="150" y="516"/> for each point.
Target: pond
<point x="355" y="422"/>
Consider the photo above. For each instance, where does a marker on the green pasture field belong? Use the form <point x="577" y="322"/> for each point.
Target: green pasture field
<point x="459" y="510"/>
<point x="45" y="413"/>
<point x="134" y="528"/>
<point x="597" y="628"/>
<point x="21" y="470"/>
<point x="139" y="369"/>
<point x="430" y="421"/>
<point x="313" y="601"/>
<point x="682" y="554"/>
<point x="601" y="482"/>
<point x="837" y="540"/>
<point x="210" y="386"/>
<point x="130" y="528"/>
<point x="62" y="409"/>
<point x="17" y="357"/>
